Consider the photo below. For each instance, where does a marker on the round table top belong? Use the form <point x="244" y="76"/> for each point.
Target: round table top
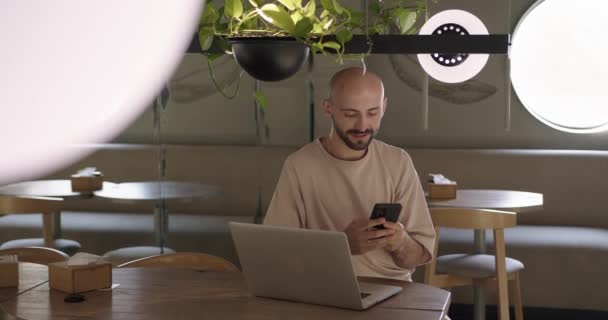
<point x="46" y="188"/>
<point x="154" y="190"/>
<point x="157" y="293"/>
<point x="518" y="201"/>
<point x="30" y="276"/>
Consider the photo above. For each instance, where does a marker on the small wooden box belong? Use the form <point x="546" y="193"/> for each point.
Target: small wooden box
<point x="442" y="191"/>
<point x="87" y="180"/>
<point x="9" y="271"/>
<point x="76" y="279"/>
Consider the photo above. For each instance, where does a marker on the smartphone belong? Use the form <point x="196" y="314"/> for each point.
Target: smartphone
<point x="389" y="211"/>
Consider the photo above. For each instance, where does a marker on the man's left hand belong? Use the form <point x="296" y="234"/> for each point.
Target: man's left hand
<point x="395" y="240"/>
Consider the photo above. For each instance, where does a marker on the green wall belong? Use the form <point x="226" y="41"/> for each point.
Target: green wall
<point x="467" y="115"/>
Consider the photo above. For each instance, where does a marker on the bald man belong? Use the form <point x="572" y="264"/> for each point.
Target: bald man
<point x="334" y="182"/>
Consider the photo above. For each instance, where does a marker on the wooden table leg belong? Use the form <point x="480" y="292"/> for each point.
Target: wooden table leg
<point x="48" y="228"/>
<point x="479" y="298"/>
<point x="57" y="225"/>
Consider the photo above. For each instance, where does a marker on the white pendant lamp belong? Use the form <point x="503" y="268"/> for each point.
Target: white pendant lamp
<point x="79" y="72"/>
<point x="453" y="68"/>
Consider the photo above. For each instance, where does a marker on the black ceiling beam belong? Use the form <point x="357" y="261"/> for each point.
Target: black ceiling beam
<point x="412" y="44"/>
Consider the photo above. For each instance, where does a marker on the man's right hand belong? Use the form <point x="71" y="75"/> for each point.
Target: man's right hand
<point x="362" y="237"/>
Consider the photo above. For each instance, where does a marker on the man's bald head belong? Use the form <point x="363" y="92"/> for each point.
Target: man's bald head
<point x="355" y="80"/>
<point x="356" y="105"/>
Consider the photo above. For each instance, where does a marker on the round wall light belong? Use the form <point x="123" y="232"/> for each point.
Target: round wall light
<point x="453" y="68"/>
<point x="78" y="72"/>
<point x="559" y="73"/>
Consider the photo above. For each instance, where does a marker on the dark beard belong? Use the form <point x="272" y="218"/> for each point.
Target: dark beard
<point x="351" y="144"/>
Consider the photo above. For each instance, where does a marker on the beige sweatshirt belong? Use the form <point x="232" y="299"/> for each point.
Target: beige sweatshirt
<point x="317" y="191"/>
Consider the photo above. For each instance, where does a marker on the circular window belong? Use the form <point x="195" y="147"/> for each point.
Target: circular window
<point x="558" y="67"/>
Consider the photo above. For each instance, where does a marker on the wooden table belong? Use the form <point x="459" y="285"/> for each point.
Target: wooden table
<point x="159" y="192"/>
<point x="508" y="200"/>
<point x="184" y="294"/>
<point x="30" y="276"/>
<point x="48" y="188"/>
<point x="129" y="191"/>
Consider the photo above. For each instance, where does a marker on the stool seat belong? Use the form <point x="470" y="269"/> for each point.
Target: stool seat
<point x="69" y="247"/>
<point x="122" y="255"/>
<point x="474" y="265"/>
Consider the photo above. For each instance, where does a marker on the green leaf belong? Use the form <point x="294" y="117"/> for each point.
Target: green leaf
<point x="303" y="28"/>
<point x="316" y="47"/>
<point x="233" y="8"/>
<point x="404" y="19"/>
<point x="379" y="28"/>
<point x="205" y="37"/>
<point x="386" y="17"/>
<point x="344" y="35"/>
<point x="251" y="24"/>
<point x="291" y="4"/>
<point x="254" y="3"/>
<point x="328" y="5"/>
<point x="296" y="16"/>
<point x="221" y="27"/>
<point x="261" y="100"/>
<point x="324" y="14"/>
<point x="220" y="11"/>
<point x="317" y="28"/>
<point x="288" y="4"/>
<point x="332" y="45"/>
<point x="213" y="56"/>
<point x="375" y="7"/>
<point x="337" y="7"/>
<point x="356" y="18"/>
<point x="277" y="16"/>
<point x="209" y="15"/>
<point x="310" y="8"/>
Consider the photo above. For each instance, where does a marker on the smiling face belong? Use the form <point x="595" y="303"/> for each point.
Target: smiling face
<point x="356" y="106"/>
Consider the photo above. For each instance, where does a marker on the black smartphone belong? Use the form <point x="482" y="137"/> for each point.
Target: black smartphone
<point x="389" y="211"/>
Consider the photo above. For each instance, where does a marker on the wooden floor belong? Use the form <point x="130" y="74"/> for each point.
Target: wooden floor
<point x="465" y="312"/>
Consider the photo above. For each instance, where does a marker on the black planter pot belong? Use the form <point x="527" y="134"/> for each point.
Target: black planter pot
<point x="269" y="58"/>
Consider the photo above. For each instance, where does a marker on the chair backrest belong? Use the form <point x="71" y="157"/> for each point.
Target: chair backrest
<point x="22" y="204"/>
<point x="39" y="255"/>
<point x="464" y="218"/>
<point x="184" y="260"/>
<point x="472" y="218"/>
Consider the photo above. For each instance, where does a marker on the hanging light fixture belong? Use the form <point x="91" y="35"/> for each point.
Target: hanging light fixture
<point x="453" y="67"/>
<point x="75" y="72"/>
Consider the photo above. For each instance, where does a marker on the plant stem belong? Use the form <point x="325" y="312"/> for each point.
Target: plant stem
<point x="217" y="86"/>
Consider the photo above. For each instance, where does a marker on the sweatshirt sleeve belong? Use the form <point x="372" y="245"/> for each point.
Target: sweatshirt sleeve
<point x="287" y="205"/>
<point x="415" y="216"/>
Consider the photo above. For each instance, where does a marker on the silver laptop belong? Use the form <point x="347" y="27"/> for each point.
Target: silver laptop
<point x="302" y="265"/>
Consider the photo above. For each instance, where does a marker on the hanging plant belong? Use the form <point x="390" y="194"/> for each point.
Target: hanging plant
<point x="272" y="39"/>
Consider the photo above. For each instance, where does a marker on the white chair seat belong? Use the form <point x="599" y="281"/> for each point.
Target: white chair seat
<point x="69" y="247"/>
<point x="122" y="255"/>
<point x="474" y="265"/>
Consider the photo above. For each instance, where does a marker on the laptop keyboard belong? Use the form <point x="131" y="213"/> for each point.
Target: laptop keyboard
<point x="364" y="295"/>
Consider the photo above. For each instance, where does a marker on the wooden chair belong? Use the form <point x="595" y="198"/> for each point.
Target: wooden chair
<point x="44" y="205"/>
<point x="185" y="260"/>
<point x="39" y="255"/>
<point x="454" y="270"/>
